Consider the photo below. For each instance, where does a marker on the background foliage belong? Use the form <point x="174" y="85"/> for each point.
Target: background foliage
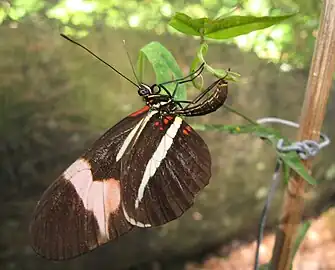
<point x="290" y="43"/>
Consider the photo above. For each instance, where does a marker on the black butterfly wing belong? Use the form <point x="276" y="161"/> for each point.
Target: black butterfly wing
<point x="81" y="209"/>
<point x="173" y="164"/>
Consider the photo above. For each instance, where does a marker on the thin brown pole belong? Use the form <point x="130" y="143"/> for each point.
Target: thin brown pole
<point x="311" y="119"/>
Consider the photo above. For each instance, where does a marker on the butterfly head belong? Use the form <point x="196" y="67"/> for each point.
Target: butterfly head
<point x="145" y="90"/>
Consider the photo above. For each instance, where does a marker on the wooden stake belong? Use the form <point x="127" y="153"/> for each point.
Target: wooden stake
<point x="311" y="119"/>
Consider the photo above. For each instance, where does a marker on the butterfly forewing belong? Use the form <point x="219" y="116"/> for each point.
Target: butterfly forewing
<point x="82" y="208"/>
<point x="164" y="172"/>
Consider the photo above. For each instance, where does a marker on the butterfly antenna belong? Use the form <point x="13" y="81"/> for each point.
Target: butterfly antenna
<point x="103" y="61"/>
<point x="131" y="63"/>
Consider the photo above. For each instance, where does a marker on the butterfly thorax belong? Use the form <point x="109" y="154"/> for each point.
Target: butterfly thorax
<point x="158" y="101"/>
<point x="153" y="98"/>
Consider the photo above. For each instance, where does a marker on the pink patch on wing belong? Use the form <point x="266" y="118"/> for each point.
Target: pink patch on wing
<point x="112" y="195"/>
<point x="80" y="176"/>
<point x="103" y="200"/>
<point x="101" y="197"/>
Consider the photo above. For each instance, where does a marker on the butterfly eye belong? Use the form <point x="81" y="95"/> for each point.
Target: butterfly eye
<point x="144" y="91"/>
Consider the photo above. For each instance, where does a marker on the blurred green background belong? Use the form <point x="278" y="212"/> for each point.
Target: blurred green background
<point x="55" y="100"/>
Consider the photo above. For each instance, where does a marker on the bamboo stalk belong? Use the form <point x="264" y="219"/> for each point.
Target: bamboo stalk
<point x="311" y="119"/>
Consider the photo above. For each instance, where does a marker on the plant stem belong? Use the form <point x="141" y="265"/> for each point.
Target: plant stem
<point x="240" y="114"/>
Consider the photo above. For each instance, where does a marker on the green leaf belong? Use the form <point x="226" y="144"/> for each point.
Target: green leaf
<point x="286" y="172"/>
<point x="164" y="66"/>
<point x="224" y="28"/>
<point x="199" y="59"/>
<point x="292" y="159"/>
<point x="185" y="24"/>
<point x="300" y="236"/>
<point x="203" y="49"/>
<point x="220" y="73"/>
<point x="234" y="26"/>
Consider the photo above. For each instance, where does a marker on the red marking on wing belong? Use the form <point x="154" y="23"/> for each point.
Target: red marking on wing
<point x="186" y="132"/>
<point x="169" y="117"/>
<point x="166" y="121"/>
<point x="157" y="124"/>
<point x="140" y="111"/>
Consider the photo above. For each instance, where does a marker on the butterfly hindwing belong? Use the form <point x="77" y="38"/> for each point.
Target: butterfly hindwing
<point x="81" y="210"/>
<point x="172" y="165"/>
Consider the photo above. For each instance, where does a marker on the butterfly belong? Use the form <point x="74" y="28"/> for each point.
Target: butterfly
<point x="143" y="172"/>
